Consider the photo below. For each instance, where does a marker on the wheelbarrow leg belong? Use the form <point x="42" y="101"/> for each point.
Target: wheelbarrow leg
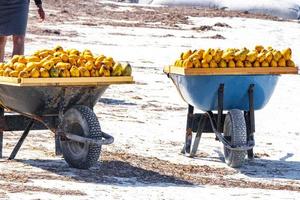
<point x="58" y="151"/>
<point x="220" y="109"/>
<point x="21" y="140"/>
<point x="1" y="130"/>
<point x="251" y="120"/>
<point x="200" y="129"/>
<point x="188" y="134"/>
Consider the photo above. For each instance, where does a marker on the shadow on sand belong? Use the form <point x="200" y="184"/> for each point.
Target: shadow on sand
<point x="263" y="167"/>
<point x="107" y="172"/>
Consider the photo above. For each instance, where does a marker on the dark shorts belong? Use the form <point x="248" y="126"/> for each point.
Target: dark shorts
<point x="13" y="17"/>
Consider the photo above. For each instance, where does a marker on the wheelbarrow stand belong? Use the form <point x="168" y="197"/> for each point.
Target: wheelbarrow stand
<point x="210" y="122"/>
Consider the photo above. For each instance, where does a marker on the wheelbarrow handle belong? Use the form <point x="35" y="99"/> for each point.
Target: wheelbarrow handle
<point x="105" y="140"/>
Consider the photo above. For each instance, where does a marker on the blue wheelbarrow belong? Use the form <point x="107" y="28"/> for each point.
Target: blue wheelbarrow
<point x="238" y="92"/>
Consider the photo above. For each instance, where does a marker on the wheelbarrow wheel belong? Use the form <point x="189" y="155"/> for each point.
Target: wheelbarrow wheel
<point x="82" y="121"/>
<point x="236" y="132"/>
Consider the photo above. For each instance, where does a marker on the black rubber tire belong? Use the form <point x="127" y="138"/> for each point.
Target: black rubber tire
<point x="82" y="121"/>
<point x="235" y="126"/>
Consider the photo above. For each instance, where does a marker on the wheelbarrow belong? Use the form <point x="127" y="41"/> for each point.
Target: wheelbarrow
<point x="240" y="91"/>
<point x="63" y="105"/>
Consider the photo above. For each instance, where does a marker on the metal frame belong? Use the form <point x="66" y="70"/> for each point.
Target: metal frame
<point x="210" y="122"/>
<point x="16" y="122"/>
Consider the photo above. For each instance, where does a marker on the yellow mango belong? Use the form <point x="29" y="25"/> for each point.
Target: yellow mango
<point x="48" y="65"/>
<point x="43" y="54"/>
<point x="259" y="48"/>
<point x="58" y="48"/>
<point x="273" y="63"/>
<point x="34" y="73"/>
<point x="31" y="65"/>
<point x="89" y="65"/>
<point x="89" y="58"/>
<point x="7" y="71"/>
<point x="46" y="59"/>
<point x="261" y="57"/>
<point x="81" y="61"/>
<point x="251" y="56"/>
<point x="32" y="59"/>
<point x="247" y="63"/>
<point x="56" y="60"/>
<point x="188" y="64"/>
<point x="231" y="64"/>
<point x="117" y="70"/>
<point x="20" y="66"/>
<point x="84" y="72"/>
<point x="265" y="64"/>
<point x="196" y="63"/>
<point x="57" y="54"/>
<point x="269" y="57"/>
<point x="290" y="63"/>
<point x="239" y="63"/>
<point x="23" y="74"/>
<point x="223" y="64"/>
<point x="64" y="73"/>
<point x="44" y="73"/>
<point x="186" y="55"/>
<point x="22" y="59"/>
<point x="14" y="73"/>
<point x="74" y="52"/>
<point x="62" y="65"/>
<point x="204" y="64"/>
<point x="213" y="64"/>
<point x="14" y="59"/>
<point x="256" y="64"/>
<point x="200" y="53"/>
<point x="228" y="55"/>
<point x="74" y="71"/>
<point x="98" y="61"/>
<point x="276" y="55"/>
<point x="281" y="62"/>
<point x="95" y="73"/>
<point x="207" y="56"/>
<point x="104" y="71"/>
<point x="287" y="54"/>
<point x="64" y="57"/>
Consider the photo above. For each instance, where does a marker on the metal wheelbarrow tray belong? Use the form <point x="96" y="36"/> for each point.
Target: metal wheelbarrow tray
<point x="63" y="105"/>
<point x="240" y="91"/>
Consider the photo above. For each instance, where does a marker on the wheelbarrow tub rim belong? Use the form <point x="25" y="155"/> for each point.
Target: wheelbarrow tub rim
<point x="67" y="82"/>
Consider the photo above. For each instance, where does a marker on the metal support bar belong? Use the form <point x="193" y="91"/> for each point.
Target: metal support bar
<point x="251" y="108"/>
<point x="21" y="140"/>
<point x="251" y="122"/>
<point x="1" y="129"/>
<point x="17" y="122"/>
<point x="61" y="105"/>
<point x="108" y="139"/>
<point x="188" y="134"/>
<point x="220" y="106"/>
<point x="201" y="126"/>
<point x="227" y="144"/>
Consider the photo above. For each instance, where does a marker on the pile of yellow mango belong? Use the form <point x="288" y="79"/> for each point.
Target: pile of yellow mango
<point x="233" y="57"/>
<point x="58" y="62"/>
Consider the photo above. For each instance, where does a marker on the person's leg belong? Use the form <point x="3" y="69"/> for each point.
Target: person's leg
<point x="18" y="43"/>
<point x="2" y="47"/>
